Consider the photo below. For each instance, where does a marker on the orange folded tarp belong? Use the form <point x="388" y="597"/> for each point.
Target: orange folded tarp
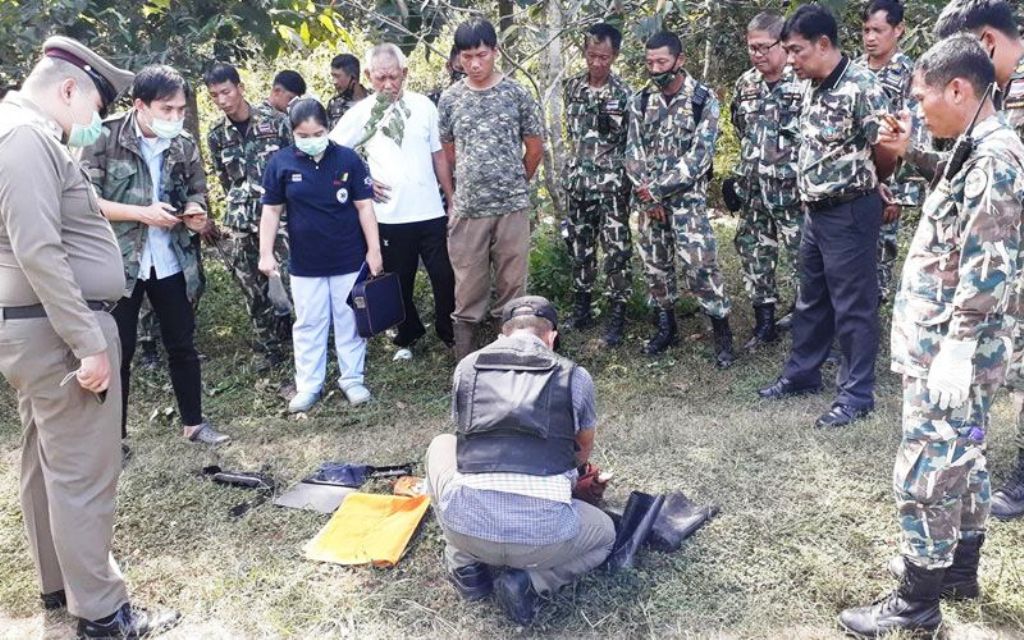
<point x="368" y="528"/>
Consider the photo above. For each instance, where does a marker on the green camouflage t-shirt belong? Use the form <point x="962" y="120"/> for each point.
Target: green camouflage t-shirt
<point x="488" y="128"/>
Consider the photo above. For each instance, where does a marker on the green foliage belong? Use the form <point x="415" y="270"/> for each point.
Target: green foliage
<point x="550" y="265"/>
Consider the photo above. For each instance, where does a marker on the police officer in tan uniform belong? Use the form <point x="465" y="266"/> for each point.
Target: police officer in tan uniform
<point x="60" y="273"/>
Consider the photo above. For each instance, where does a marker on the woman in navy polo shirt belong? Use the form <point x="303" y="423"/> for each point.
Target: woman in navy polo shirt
<point x="332" y="231"/>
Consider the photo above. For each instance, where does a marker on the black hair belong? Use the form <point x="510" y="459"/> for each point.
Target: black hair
<point x="665" y="39"/>
<point x="893" y="11"/>
<point x="605" y="32"/>
<point x="347" y="63"/>
<point x="220" y="73"/>
<point x="158" y="82"/>
<point x="768" y="21"/>
<point x="475" y="32"/>
<point x="290" y="80"/>
<point x="812" y="21"/>
<point x="973" y="15"/>
<point x="959" y="56"/>
<point x="306" y="109"/>
<point x="454" y="53"/>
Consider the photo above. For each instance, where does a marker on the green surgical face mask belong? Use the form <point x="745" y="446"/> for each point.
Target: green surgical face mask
<point x="85" y="135"/>
<point x="663" y="79"/>
<point x="312" y="146"/>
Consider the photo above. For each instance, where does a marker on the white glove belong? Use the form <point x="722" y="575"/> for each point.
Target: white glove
<point x="949" y="378"/>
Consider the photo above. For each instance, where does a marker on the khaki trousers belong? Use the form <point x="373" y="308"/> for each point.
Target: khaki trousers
<point x="70" y="463"/>
<point x="478" y="245"/>
<point x="550" y="566"/>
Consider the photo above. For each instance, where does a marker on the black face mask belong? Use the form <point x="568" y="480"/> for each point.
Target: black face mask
<point x="664" y="78"/>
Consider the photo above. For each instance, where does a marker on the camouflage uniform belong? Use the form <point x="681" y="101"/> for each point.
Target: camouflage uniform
<point x="239" y="161"/>
<point x="767" y="122"/>
<point x="1011" y="101"/>
<point x="119" y="174"/>
<point x="337" y="106"/>
<point x="671" y="151"/>
<point x="596" y="187"/>
<point x="956" y="284"/>
<point x="907" y="187"/>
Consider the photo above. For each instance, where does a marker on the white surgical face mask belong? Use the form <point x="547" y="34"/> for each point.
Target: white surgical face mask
<point x="312" y="146"/>
<point x="167" y="129"/>
<point x="85" y="135"/>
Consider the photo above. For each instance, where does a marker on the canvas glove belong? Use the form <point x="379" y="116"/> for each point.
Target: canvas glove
<point x="949" y="378"/>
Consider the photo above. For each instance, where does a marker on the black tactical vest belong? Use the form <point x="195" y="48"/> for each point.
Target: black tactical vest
<point x="514" y="410"/>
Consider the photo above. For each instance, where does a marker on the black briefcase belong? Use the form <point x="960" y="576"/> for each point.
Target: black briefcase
<point x="377" y="303"/>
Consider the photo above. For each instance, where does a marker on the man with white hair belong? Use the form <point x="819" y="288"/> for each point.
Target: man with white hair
<point x="396" y="133"/>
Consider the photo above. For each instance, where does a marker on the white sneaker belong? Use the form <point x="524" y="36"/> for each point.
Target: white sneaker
<point x="402" y="354"/>
<point x="303" y="402"/>
<point x="357" y="394"/>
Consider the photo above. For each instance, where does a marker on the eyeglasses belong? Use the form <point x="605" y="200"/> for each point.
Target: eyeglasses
<point x="761" y="49"/>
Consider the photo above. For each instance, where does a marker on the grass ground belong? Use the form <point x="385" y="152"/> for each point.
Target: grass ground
<point x="806" y="526"/>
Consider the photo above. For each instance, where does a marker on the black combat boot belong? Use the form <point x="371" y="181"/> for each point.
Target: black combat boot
<point x="473" y="581"/>
<point x="961" y="579"/>
<point x="764" y="326"/>
<point x="1008" y="500"/>
<point x="581" y="317"/>
<point x="666" y="335"/>
<point x="615" y="327"/>
<point x="723" y="342"/>
<point x="912" y="606"/>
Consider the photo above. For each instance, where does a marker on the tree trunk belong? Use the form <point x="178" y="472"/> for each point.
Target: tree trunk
<point x="708" y="43"/>
<point x="551" y="102"/>
<point x="506" y="8"/>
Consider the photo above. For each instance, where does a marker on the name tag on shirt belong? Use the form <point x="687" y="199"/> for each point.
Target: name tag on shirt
<point x="296" y="177"/>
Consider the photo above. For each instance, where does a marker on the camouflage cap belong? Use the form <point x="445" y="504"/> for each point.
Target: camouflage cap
<point x="537" y="306"/>
<point x="109" y="80"/>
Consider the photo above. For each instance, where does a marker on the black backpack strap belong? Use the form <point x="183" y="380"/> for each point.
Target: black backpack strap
<point x="700" y="98"/>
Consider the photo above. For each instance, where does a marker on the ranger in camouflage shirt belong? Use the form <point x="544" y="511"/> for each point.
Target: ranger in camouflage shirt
<point x="882" y="30"/>
<point x="485" y="121"/>
<point x="766" y="117"/>
<point x="345" y="77"/>
<point x="673" y="125"/>
<point x="150" y="180"/>
<point x="597" y="191"/>
<point x="993" y="21"/>
<point x="838" y="170"/>
<point x="241" y="144"/>
<point x="951" y="342"/>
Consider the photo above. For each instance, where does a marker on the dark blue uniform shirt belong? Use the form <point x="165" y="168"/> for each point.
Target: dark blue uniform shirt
<point x="325" y="238"/>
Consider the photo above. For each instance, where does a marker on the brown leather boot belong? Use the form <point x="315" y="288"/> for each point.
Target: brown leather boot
<point x="465" y="334"/>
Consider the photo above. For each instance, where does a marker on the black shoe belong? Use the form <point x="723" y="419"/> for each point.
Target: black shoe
<point x="961" y="579"/>
<point x="913" y="606"/>
<point x="784" y="388"/>
<point x="516" y="596"/>
<point x="472" y="581"/>
<point x="785" y="323"/>
<point x="615" y="328"/>
<point x="149" y="357"/>
<point x="54" y="600"/>
<point x="1008" y="500"/>
<point x="128" y="623"/>
<point x="764" y="327"/>
<point x="271" y="360"/>
<point x="724" y="356"/>
<point x="666" y="335"/>
<point x="840" y="415"/>
<point x="581" y="317"/>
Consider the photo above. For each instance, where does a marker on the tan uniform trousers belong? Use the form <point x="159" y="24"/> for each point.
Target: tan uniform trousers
<point x="70" y="463"/>
<point x="476" y="246"/>
<point x="550" y="566"/>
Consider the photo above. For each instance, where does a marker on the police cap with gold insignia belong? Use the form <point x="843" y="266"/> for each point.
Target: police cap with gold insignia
<point x="109" y="80"/>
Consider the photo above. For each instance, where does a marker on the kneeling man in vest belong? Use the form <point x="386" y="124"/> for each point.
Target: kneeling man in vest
<point x="502" y="485"/>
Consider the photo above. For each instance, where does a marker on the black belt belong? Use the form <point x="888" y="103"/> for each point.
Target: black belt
<point x="37" y="310"/>
<point x="835" y="201"/>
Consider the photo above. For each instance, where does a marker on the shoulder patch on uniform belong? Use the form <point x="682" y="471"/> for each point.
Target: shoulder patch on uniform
<point x="975" y="183"/>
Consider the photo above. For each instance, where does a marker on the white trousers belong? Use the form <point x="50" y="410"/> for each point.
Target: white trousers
<point x="318" y="302"/>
